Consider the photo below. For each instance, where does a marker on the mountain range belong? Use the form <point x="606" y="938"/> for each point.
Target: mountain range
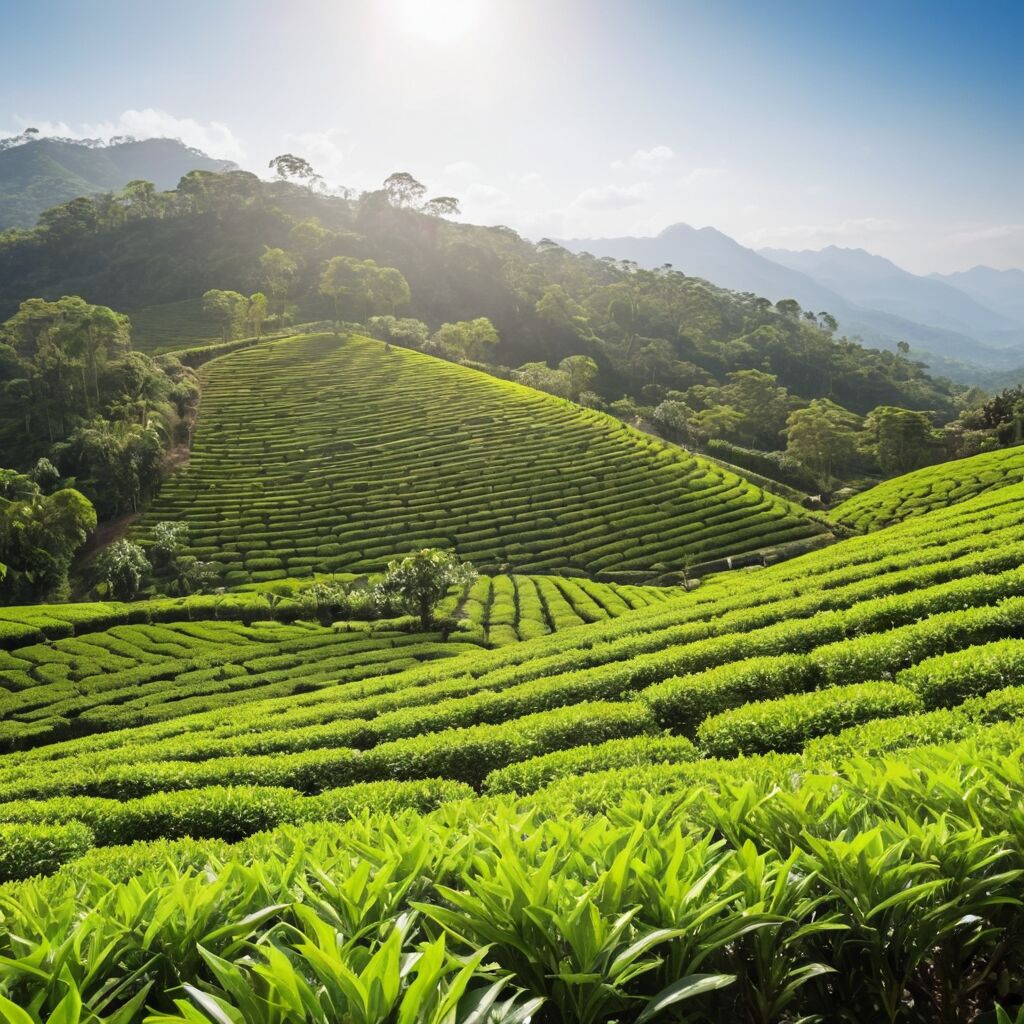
<point x="968" y="325"/>
<point x="43" y="172"/>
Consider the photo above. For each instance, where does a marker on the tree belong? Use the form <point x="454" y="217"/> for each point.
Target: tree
<point x="361" y="288"/>
<point x="902" y="440"/>
<point x="467" y="339"/>
<point x="442" y="206"/>
<point x="400" y="330"/>
<point x="288" y="167"/>
<point x="582" y="372"/>
<point x="540" y="376"/>
<point x="278" y="268"/>
<point x="421" y="580"/>
<point x="256" y="313"/>
<point x="121" y="570"/>
<point x="674" y="419"/>
<point x="227" y="308"/>
<point x="177" y="571"/>
<point x="557" y="308"/>
<point x="403" y="190"/>
<point x="39" y="535"/>
<point x="823" y="437"/>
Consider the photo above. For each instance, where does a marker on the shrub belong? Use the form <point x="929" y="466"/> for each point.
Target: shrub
<point x="33" y="849"/>
<point x="682" y="703"/>
<point x="786" y="724"/>
<point x="536" y="772"/>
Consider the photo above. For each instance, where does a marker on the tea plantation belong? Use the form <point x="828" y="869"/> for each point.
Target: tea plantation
<point x="325" y="454"/>
<point x="932" y="487"/>
<point x="791" y="793"/>
<point x="790" y="789"/>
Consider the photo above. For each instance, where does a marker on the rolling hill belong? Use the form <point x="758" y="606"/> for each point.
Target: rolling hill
<point x="336" y="454"/>
<point x="44" y="172"/>
<point x="826" y="719"/>
<point x="930" y="488"/>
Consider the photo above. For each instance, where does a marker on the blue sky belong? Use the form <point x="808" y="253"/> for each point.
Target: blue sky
<point x="898" y="126"/>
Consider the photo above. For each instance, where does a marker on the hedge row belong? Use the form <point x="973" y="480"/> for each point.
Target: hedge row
<point x="787" y="723"/>
<point x="499" y="472"/>
<point x="216" y="812"/>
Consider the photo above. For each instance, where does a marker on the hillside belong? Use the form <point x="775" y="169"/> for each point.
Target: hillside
<point x="881" y="646"/>
<point x="930" y="488"/>
<point x="546" y="303"/>
<point x="38" y="174"/>
<point x="325" y="454"/>
<point x="879" y="303"/>
<point x="90" y="668"/>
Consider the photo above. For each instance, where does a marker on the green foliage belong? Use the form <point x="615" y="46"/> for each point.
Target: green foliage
<point x="314" y="483"/>
<point x="823" y="438"/>
<point x="931" y="488"/>
<point x="228" y="310"/>
<point x="360" y="288"/>
<point x="419" y="581"/>
<point x="36" y="849"/>
<point x="786" y="723"/>
<point x="901" y="440"/>
<point x="121" y="570"/>
<point x="468" y="339"/>
<point x="39" y="535"/>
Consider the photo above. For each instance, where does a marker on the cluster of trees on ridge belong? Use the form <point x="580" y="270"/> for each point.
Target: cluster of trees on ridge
<point x="766" y="386"/>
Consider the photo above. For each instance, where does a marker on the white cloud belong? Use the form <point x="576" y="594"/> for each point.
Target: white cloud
<point x="699" y="174"/>
<point x="479" y="194"/>
<point x="653" y="159"/>
<point x="213" y="138"/>
<point x="324" y="151"/>
<point x="465" y="169"/>
<point x="612" y="197"/>
<point x="530" y="178"/>
<point x="989" y="233"/>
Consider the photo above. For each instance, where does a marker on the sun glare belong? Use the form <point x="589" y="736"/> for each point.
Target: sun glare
<point x="438" y="21"/>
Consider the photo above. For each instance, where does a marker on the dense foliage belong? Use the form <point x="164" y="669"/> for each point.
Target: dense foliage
<point x="76" y="392"/>
<point x="651" y="334"/>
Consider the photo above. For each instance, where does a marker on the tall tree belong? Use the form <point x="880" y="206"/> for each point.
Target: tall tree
<point x="823" y="437"/>
<point x="227" y="308"/>
<point x="403" y="190"/>
<point x="279" y="268"/>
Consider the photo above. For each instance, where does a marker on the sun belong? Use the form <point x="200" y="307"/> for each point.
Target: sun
<point x="438" y="21"/>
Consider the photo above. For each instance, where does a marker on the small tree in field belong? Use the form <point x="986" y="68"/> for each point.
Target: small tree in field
<point x="122" y="569"/>
<point x="418" y="582"/>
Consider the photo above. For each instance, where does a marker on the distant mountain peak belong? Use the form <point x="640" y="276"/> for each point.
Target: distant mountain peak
<point x="40" y="172"/>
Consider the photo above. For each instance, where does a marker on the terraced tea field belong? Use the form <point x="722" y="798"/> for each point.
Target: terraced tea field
<point x="319" y="454"/>
<point x="71" y="670"/>
<point x="749" y="663"/>
<point x="852" y="713"/>
<point x="930" y="488"/>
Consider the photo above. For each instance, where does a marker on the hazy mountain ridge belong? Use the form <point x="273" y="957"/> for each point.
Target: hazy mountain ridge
<point x="1001" y="290"/>
<point x="878" y="283"/>
<point x="861" y="290"/>
<point x="42" y="173"/>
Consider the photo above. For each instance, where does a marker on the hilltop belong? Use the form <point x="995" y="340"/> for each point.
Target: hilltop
<point x="337" y="454"/>
<point x="39" y="173"/>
